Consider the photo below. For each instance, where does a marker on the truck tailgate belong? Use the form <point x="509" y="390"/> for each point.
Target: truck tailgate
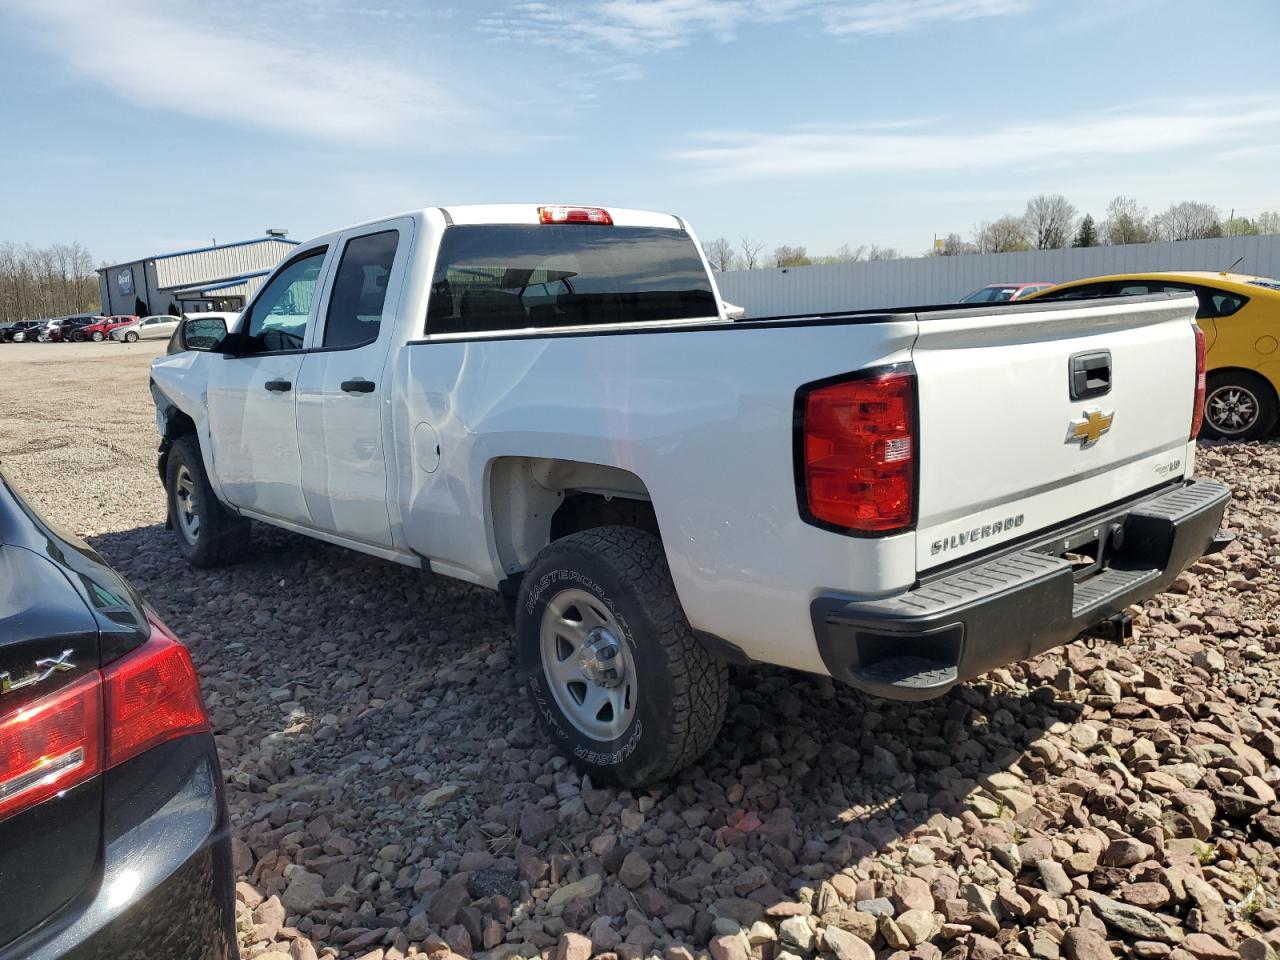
<point x="1006" y="451"/>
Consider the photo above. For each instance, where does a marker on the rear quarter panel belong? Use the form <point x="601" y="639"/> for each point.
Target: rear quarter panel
<point x="704" y="418"/>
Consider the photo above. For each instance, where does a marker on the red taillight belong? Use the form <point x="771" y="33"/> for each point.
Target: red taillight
<point x="858" y="449"/>
<point x="50" y="745"/>
<point x="99" y="721"/>
<point x="575" y="215"/>
<point x="1197" y="412"/>
<point x="152" y="695"/>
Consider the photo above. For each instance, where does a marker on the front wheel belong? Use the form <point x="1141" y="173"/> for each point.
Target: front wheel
<point x="208" y="534"/>
<point x="96" y="336"/>
<point x="612" y="667"/>
<point x="131" y="336"/>
<point x="1239" y="406"/>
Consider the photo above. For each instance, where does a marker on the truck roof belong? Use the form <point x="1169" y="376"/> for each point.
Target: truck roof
<point x="519" y="213"/>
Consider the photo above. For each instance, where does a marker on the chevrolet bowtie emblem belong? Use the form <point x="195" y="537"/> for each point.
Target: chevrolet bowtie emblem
<point x="1089" y="428"/>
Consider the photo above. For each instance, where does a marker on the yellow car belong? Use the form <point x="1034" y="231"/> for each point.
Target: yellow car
<point x="1240" y="317"/>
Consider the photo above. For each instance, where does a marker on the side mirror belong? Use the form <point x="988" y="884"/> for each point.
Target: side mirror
<point x="200" y="333"/>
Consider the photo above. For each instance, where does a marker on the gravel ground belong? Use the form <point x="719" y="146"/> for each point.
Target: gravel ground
<point x="392" y="796"/>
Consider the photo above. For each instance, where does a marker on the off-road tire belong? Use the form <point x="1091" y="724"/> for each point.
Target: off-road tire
<point x="681" y="688"/>
<point x="1264" y="396"/>
<point x="223" y="537"/>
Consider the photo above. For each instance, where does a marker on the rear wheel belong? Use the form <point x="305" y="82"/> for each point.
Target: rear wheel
<point x="208" y="534"/>
<point x="611" y="665"/>
<point x="1239" y="406"/>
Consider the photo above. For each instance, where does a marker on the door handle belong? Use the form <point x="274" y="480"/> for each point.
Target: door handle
<point x="278" y="386"/>
<point x="358" y="385"/>
<point x="1090" y="375"/>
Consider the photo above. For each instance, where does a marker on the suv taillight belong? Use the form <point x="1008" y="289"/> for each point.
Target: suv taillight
<point x="1197" y="412"/>
<point x="50" y="745"/>
<point x="101" y="720"/>
<point x="152" y="695"/>
<point x="856" y="451"/>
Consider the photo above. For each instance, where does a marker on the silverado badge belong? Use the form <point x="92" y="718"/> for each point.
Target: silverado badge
<point x="1089" y="428"/>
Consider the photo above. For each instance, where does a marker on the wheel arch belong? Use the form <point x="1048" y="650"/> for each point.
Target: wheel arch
<point x="176" y="424"/>
<point x="1269" y="380"/>
<point x="1266" y="380"/>
<point x="531" y="501"/>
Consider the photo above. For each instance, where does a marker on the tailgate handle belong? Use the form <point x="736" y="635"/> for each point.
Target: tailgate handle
<point x="1090" y="374"/>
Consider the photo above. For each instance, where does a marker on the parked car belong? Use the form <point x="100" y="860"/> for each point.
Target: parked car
<point x="114" y="833"/>
<point x="63" y="329"/>
<point x="1240" y="317"/>
<point x="552" y="402"/>
<point x="73" y="327"/>
<point x="5" y="327"/>
<point x="24" y="331"/>
<point x="159" y="327"/>
<point x="102" y="329"/>
<point x="1000" y="292"/>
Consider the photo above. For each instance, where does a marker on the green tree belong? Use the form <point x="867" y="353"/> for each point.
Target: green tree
<point x="1127" y="222"/>
<point x="1268" y="223"/>
<point x="720" y="252"/>
<point x="1006" y="235"/>
<point x="1240" y="227"/>
<point x="1086" y="234"/>
<point x="785" y="256"/>
<point x="1189" y="220"/>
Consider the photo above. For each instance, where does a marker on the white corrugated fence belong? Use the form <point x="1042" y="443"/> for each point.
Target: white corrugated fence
<point x="932" y="280"/>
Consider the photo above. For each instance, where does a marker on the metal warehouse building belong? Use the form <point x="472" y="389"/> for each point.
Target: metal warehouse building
<point x="220" y="277"/>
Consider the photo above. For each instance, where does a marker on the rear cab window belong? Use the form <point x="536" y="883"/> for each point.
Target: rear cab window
<point x="494" y="277"/>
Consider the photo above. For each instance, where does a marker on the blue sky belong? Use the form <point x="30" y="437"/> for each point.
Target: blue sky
<point x="142" y="126"/>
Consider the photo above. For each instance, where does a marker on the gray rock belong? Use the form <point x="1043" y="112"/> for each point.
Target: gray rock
<point x="796" y="933"/>
<point x="1132" y="921"/>
<point x="635" y="871"/>
<point x="588" y="887"/>
<point x="846" y="946"/>
<point x="876" y="906"/>
<point x="304" y="891"/>
<point x="1053" y="878"/>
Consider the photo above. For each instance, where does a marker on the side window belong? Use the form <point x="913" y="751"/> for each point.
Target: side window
<point x="1220" y="303"/>
<point x="360" y="290"/>
<point x="278" y="319"/>
<point x="1086" y="292"/>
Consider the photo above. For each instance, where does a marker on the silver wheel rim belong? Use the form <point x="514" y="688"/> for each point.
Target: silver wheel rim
<point x="97" y="335"/>
<point x="131" y="337"/>
<point x="1231" y="409"/>
<point x="184" y="497"/>
<point x="588" y="665"/>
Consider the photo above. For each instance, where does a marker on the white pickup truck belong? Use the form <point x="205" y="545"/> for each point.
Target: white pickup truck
<point x="552" y="402"/>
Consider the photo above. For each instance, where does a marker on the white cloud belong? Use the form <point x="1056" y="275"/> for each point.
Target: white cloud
<point x="1137" y="129"/>
<point x="248" y="70"/>
<point x="896" y="16"/>
<point x="636" y="26"/>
